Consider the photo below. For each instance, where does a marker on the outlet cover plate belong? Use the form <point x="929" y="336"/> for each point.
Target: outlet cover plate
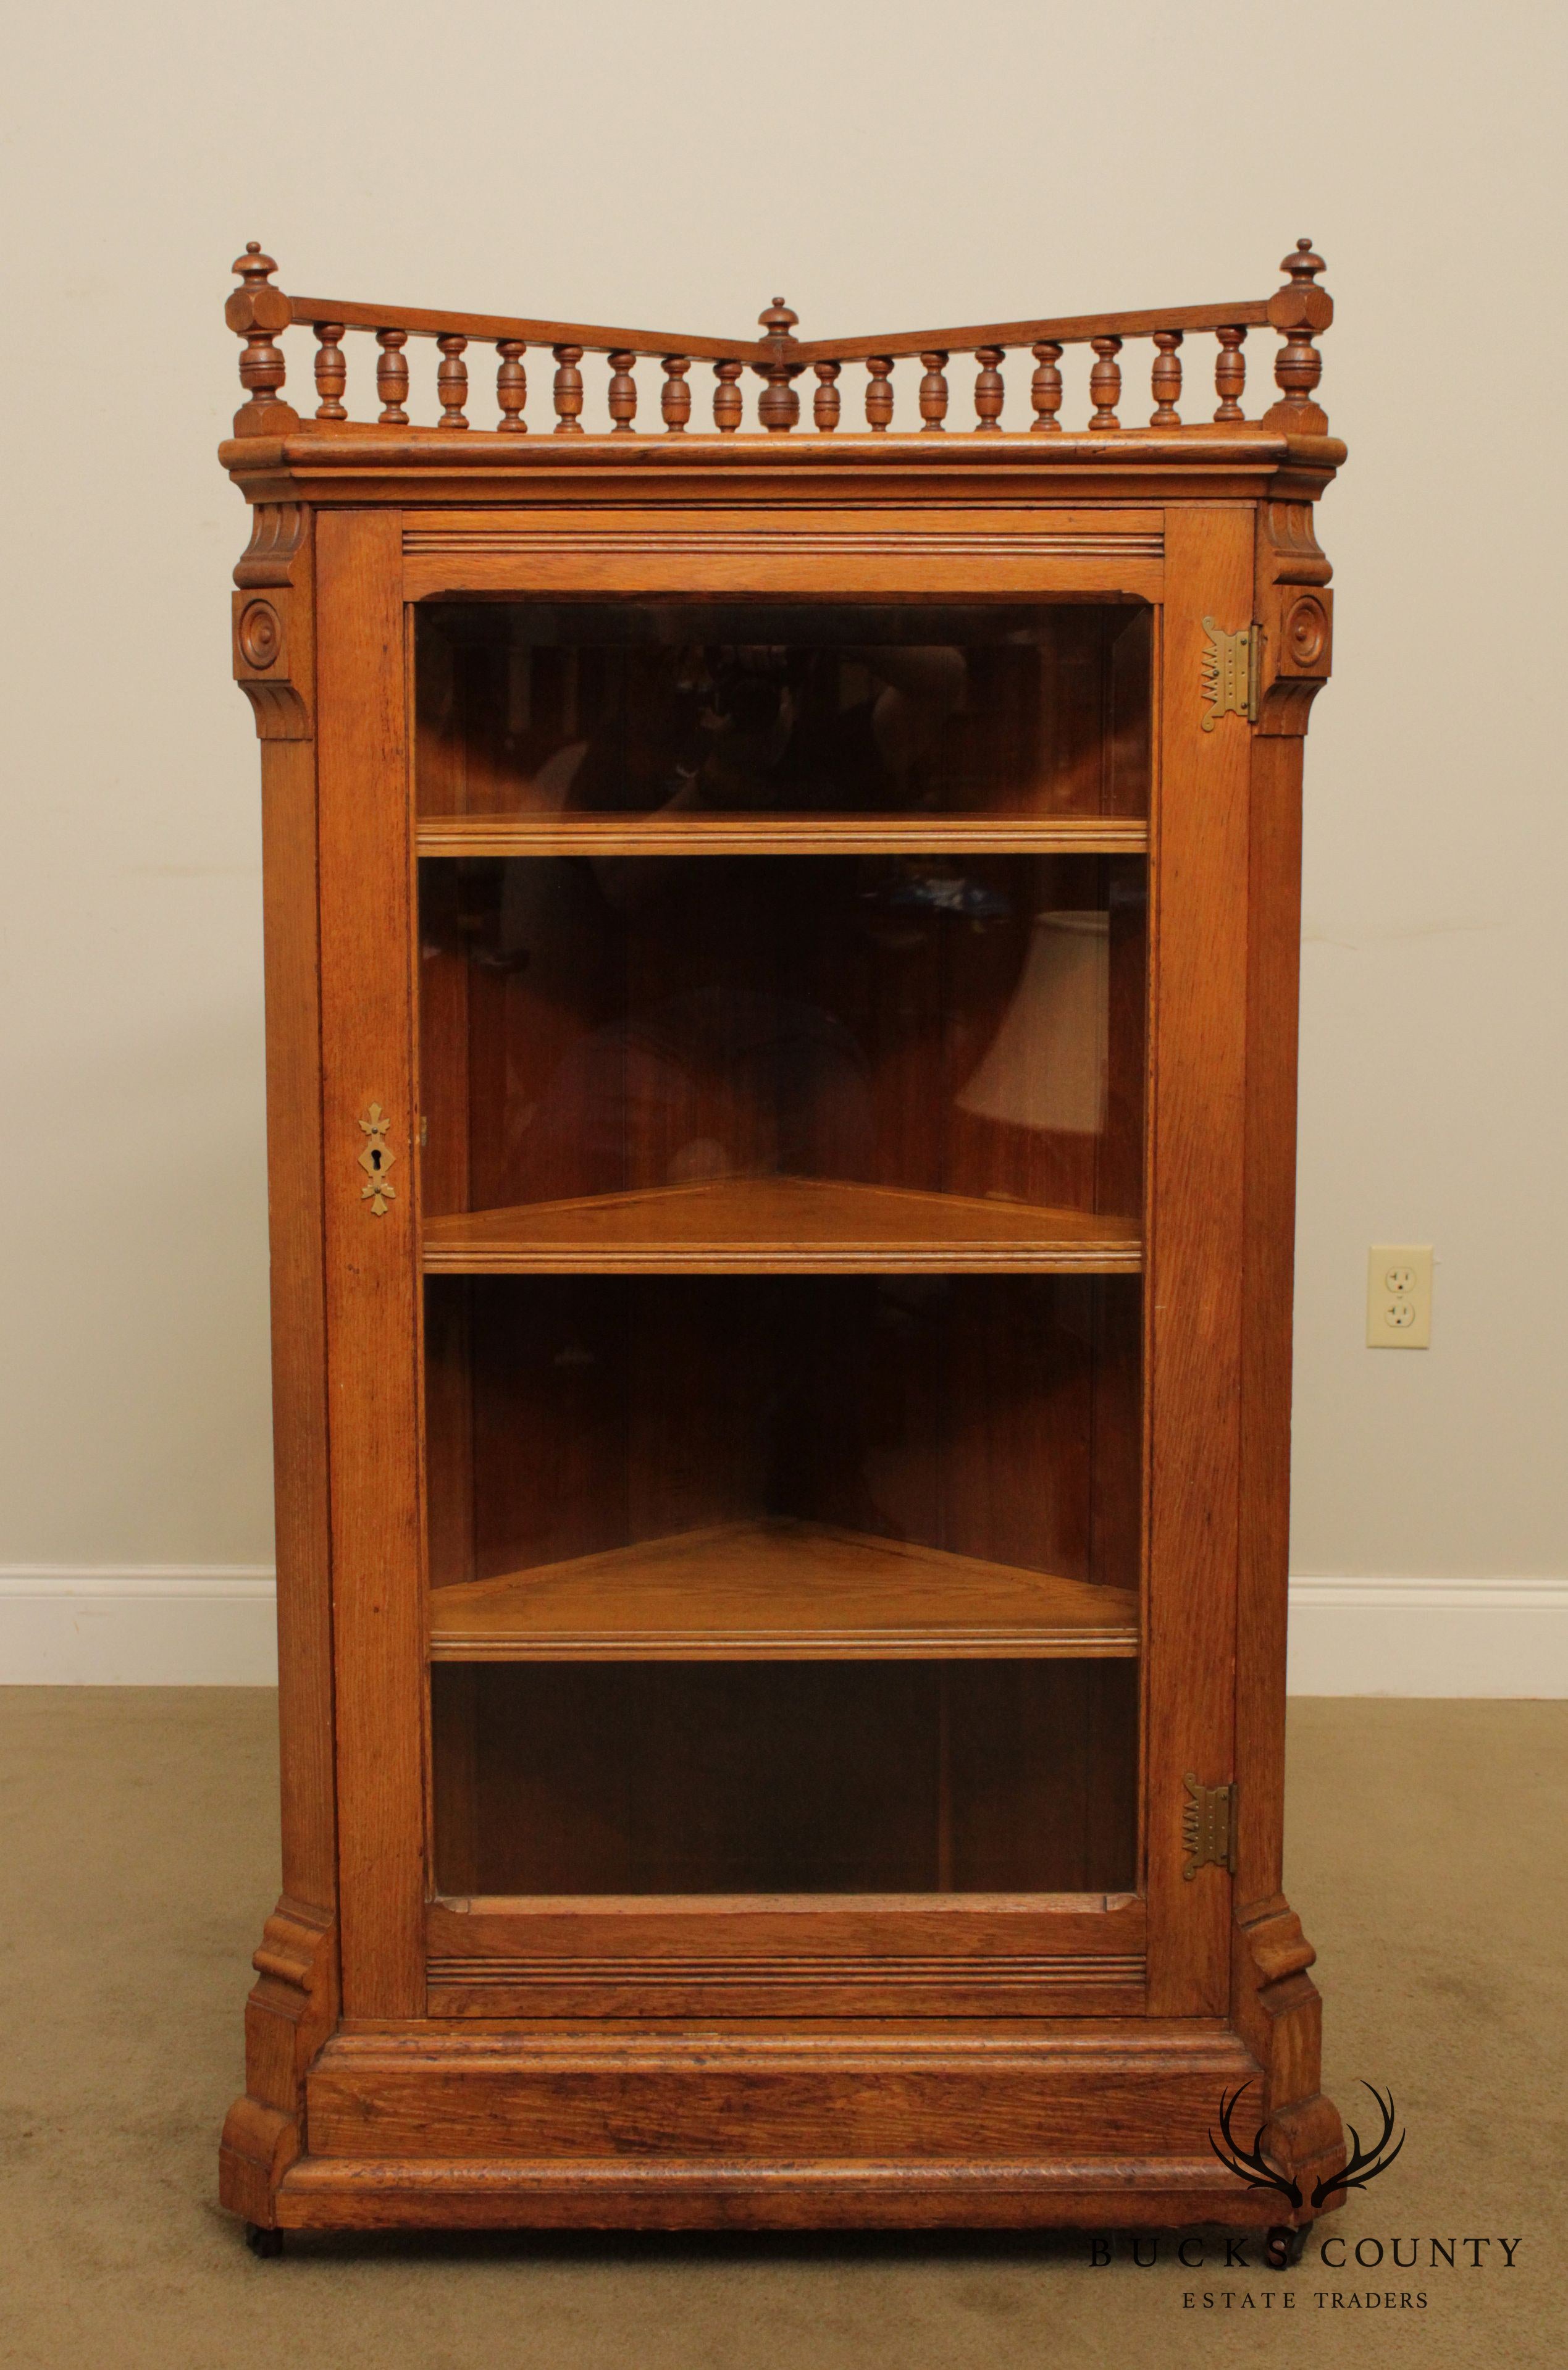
<point x="1399" y="1296"/>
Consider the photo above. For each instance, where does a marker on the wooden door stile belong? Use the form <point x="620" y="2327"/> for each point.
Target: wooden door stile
<point x="1193" y="1253"/>
<point x="373" y="1267"/>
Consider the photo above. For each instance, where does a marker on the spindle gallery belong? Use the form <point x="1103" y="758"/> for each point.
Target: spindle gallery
<point x="1300" y="311"/>
<point x="781" y="926"/>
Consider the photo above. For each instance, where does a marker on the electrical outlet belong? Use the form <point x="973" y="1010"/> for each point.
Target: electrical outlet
<point x="1399" y="1296"/>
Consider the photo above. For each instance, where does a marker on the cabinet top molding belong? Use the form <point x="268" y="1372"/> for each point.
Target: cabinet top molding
<point x="257" y="312"/>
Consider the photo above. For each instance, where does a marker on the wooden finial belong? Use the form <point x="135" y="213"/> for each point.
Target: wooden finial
<point x="254" y="312"/>
<point x="1300" y="311"/>
<point x="780" y="405"/>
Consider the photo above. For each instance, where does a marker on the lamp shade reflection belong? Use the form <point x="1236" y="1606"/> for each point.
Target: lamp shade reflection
<point x="1046" y="1068"/>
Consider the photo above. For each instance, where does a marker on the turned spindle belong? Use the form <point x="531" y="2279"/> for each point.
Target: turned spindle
<point x="1105" y="382"/>
<point x="331" y="370"/>
<point x="933" y="393"/>
<point x="511" y="385"/>
<point x="567" y="390"/>
<point x="1045" y="388"/>
<point x="254" y="311"/>
<point x="451" y="382"/>
<point x="675" y="395"/>
<point x="1167" y="379"/>
<point x="879" y="393"/>
<point x="392" y="377"/>
<point x="989" y="391"/>
<point x="780" y="405"/>
<point x="1300" y="311"/>
<point x="825" y="404"/>
<point x="622" y="395"/>
<point x="1229" y="373"/>
<point x="727" y="403"/>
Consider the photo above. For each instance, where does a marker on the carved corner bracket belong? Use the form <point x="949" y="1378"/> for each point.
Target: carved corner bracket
<point x="1295" y="610"/>
<point x="273" y="622"/>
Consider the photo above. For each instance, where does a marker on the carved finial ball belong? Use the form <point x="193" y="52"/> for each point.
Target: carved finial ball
<point x="253" y="264"/>
<point x="778" y="320"/>
<point x="1303" y="264"/>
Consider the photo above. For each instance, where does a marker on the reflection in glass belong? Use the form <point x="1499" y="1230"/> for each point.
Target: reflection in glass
<point x="693" y="707"/>
<point x="969" y="1026"/>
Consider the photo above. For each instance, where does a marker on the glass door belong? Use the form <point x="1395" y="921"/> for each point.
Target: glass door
<point x="783" y="984"/>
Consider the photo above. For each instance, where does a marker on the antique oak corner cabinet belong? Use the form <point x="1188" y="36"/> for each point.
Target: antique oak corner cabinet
<point x="781" y="983"/>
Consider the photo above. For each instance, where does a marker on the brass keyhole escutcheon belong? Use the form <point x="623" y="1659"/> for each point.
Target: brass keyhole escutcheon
<point x="376" y="1160"/>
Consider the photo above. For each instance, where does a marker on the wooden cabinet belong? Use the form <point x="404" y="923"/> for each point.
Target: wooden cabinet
<point x="780" y="957"/>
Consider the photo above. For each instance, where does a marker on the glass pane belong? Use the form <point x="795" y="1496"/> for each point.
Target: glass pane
<point x="786" y="1777"/>
<point x="693" y="707"/>
<point x="969" y="1027"/>
<point x="780" y="1428"/>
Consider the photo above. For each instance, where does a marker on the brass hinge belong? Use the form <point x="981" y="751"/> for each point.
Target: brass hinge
<point x="1231" y="668"/>
<point x="1208" y="1827"/>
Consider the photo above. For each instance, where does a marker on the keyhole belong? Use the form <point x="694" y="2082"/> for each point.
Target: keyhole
<point x="375" y="1158"/>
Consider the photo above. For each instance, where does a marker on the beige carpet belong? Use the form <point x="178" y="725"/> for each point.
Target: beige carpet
<point x="1426" y="1859"/>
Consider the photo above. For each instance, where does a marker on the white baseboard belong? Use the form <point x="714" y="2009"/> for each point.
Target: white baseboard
<point x="186" y="1625"/>
<point x="133" y="1624"/>
<point x="1428" y="1638"/>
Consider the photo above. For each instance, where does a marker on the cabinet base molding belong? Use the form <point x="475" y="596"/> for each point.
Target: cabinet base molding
<point x="825" y="2193"/>
<point x="1102" y="2123"/>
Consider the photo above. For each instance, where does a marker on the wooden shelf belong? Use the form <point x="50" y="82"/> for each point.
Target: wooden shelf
<point x="780" y="835"/>
<point x="776" y="1591"/>
<point x="763" y="1226"/>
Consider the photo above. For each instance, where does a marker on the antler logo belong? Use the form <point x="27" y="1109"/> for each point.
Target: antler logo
<point x="1252" y="2166"/>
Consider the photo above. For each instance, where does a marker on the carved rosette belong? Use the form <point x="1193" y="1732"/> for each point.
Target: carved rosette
<point x="272" y="620"/>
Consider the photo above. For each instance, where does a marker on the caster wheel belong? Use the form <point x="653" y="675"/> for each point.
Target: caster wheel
<point x="1283" y="2246"/>
<point x="266" y="2243"/>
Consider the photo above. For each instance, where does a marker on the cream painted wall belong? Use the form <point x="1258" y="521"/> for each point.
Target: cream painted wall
<point x="883" y="165"/>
